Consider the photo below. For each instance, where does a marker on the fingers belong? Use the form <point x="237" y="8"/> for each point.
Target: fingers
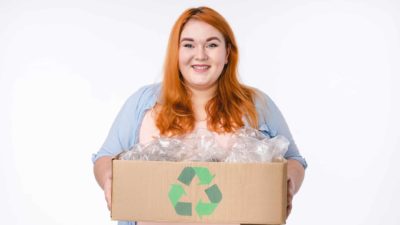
<point x="290" y="193"/>
<point x="107" y="192"/>
<point x="108" y="199"/>
<point x="288" y="209"/>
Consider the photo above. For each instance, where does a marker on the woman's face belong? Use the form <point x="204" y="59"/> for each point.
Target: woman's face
<point x="202" y="55"/>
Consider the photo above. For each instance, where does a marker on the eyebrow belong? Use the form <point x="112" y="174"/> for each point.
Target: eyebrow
<point x="207" y="40"/>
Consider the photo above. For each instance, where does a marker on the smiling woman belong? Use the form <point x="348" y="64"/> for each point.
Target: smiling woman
<point x="200" y="77"/>
<point x="200" y="90"/>
<point x="202" y="55"/>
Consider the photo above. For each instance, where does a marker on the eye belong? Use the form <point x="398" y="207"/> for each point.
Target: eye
<point x="187" y="45"/>
<point x="212" y="45"/>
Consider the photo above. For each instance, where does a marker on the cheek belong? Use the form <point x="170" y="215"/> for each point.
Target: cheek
<point x="220" y="57"/>
<point x="184" y="58"/>
<point x="184" y="63"/>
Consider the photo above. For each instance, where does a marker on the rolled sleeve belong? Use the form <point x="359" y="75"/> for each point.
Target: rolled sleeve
<point x="101" y="153"/>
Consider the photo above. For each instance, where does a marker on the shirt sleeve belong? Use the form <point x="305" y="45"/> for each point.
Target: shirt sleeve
<point x="273" y="124"/>
<point x="122" y="133"/>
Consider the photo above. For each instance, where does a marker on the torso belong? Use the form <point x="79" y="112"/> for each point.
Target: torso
<point x="148" y="131"/>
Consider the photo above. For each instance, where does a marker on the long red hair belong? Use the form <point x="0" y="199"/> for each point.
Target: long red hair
<point x="232" y="100"/>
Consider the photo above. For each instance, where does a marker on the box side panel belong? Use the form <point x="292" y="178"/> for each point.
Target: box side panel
<point x="155" y="191"/>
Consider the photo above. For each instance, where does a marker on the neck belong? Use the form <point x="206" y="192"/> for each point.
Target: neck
<point x="199" y="98"/>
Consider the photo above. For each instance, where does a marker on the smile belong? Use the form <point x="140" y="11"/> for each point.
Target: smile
<point x="200" y="68"/>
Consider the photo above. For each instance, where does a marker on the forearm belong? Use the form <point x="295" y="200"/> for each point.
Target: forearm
<point x="103" y="170"/>
<point x="295" y="172"/>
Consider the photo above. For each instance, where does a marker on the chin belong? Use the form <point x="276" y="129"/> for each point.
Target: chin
<point x="203" y="86"/>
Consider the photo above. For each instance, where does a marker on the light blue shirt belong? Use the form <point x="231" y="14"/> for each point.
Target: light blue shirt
<point x="124" y="133"/>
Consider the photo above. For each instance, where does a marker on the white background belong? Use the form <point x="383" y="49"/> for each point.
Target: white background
<point x="66" y="67"/>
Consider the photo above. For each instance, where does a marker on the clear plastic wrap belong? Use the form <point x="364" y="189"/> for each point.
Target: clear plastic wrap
<point x="246" y="145"/>
<point x="250" y="145"/>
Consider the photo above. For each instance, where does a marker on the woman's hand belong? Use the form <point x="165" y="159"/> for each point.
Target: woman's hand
<point x="107" y="191"/>
<point x="290" y="194"/>
<point x="295" y="176"/>
<point x="103" y="174"/>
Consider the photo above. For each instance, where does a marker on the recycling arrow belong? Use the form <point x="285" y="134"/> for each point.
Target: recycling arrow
<point x="204" y="175"/>
<point x="205" y="208"/>
<point x="181" y="208"/>
<point x="202" y="208"/>
<point x="214" y="194"/>
<point x="175" y="193"/>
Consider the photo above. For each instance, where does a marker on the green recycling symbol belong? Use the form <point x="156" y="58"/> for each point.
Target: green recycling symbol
<point x="186" y="177"/>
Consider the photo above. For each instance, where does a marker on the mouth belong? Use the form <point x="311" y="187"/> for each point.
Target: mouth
<point x="201" y="68"/>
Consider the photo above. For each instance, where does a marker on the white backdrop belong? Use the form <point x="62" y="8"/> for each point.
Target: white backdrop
<point x="66" y="67"/>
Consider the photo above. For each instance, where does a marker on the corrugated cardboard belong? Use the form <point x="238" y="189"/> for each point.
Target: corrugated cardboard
<point x="246" y="193"/>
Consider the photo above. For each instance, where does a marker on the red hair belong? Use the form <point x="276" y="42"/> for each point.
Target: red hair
<point x="232" y="100"/>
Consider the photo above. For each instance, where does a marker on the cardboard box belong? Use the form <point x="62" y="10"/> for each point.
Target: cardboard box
<point x="200" y="192"/>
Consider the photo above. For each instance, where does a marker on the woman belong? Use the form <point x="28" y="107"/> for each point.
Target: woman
<point x="200" y="89"/>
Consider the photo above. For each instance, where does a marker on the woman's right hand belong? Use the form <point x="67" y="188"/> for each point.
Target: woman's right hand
<point x="103" y="174"/>
<point x="107" y="191"/>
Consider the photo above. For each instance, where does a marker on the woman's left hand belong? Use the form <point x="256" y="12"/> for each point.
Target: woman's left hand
<point x="295" y="176"/>
<point x="290" y="194"/>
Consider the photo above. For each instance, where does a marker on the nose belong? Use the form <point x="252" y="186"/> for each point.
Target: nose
<point x="201" y="54"/>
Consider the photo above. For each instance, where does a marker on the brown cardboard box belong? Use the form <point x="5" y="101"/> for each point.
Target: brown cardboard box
<point x="200" y="192"/>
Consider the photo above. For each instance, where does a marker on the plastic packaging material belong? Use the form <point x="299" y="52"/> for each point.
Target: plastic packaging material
<point x="250" y="145"/>
<point x="246" y="145"/>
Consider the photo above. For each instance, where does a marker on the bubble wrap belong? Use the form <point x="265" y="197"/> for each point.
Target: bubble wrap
<point x="245" y="145"/>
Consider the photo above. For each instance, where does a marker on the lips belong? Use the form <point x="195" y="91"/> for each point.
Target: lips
<point x="200" y="68"/>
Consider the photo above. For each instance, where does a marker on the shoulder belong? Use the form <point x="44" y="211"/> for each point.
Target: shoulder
<point x="145" y="94"/>
<point x="260" y="97"/>
<point x="268" y="113"/>
<point x="145" y="97"/>
<point x="146" y="91"/>
<point x="262" y="102"/>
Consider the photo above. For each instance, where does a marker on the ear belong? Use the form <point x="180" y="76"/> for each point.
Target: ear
<point x="228" y="51"/>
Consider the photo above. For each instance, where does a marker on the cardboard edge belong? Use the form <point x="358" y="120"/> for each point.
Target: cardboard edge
<point x="112" y="187"/>
<point x="284" y="192"/>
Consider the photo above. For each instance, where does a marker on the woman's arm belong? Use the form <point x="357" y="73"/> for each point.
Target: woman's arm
<point x="295" y="176"/>
<point x="103" y="173"/>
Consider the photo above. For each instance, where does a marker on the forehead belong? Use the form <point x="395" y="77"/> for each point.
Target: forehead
<point x="199" y="30"/>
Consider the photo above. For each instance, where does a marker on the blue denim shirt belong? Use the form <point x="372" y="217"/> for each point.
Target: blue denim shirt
<point x="124" y="132"/>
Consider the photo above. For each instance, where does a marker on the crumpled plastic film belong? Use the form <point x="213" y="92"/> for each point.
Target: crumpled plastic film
<point x="252" y="147"/>
<point x="246" y="145"/>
